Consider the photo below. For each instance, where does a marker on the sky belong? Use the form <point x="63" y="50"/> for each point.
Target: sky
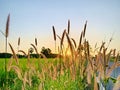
<point x="34" y="19"/>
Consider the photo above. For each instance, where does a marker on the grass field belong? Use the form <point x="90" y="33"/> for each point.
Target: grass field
<point x="23" y="62"/>
<point x="32" y="77"/>
<point x="77" y="67"/>
<point x="43" y="74"/>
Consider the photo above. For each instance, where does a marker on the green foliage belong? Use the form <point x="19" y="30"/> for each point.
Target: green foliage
<point x="5" y="55"/>
<point x="31" y="50"/>
<point x="10" y="80"/>
<point x="35" y="81"/>
<point x="45" y="51"/>
<point x="2" y="78"/>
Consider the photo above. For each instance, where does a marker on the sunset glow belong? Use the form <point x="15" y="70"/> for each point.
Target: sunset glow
<point x="34" y="19"/>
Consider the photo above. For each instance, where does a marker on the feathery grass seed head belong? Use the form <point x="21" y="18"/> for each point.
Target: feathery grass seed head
<point x="7" y="26"/>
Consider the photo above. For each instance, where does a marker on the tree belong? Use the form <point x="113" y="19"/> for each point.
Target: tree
<point x="46" y="51"/>
<point x="31" y="50"/>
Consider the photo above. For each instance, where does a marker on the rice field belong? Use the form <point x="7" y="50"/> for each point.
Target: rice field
<point x="75" y="67"/>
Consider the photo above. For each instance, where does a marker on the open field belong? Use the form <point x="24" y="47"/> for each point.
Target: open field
<point x="29" y="76"/>
<point x="76" y="67"/>
<point x="45" y="74"/>
<point x="23" y="62"/>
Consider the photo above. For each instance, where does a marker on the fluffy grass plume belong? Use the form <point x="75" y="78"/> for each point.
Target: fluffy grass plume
<point x="68" y="26"/>
<point x="63" y="35"/>
<point x="74" y="42"/>
<point x="54" y="33"/>
<point x="70" y="44"/>
<point x="80" y="41"/>
<point x="22" y="52"/>
<point x="59" y="37"/>
<point x="84" y="31"/>
<point x="7" y="26"/>
<point x="19" y="41"/>
<point x="36" y="41"/>
<point x="14" y="54"/>
<point x="102" y="46"/>
<point x="6" y="36"/>
<point x="35" y="48"/>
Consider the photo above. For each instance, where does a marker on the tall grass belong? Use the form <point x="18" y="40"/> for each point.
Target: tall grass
<point x="6" y="41"/>
<point x="75" y="67"/>
<point x="68" y="26"/>
<point x="18" y="43"/>
<point x="6" y="34"/>
<point x="54" y="34"/>
<point x="83" y="65"/>
<point x="36" y="41"/>
<point x="6" y="37"/>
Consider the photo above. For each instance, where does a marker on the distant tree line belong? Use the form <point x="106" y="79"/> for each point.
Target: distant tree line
<point x="7" y="55"/>
<point x="45" y="51"/>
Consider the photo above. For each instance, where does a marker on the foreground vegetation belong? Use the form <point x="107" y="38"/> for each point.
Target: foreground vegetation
<point x="76" y="67"/>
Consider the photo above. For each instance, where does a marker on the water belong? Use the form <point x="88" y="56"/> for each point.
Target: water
<point x="115" y="73"/>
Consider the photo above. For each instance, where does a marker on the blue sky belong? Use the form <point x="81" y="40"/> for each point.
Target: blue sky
<point x="34" y="19"/>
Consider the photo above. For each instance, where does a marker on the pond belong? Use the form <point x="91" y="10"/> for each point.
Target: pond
<point x="114" y="74"/>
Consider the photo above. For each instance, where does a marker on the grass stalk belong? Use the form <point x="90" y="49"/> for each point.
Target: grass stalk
<point x="6" y="39"/>
<point x="18" y="46"/>
<point x="54" y="34"/>
<point x="36" y="41"/>
<point x="68" y="26"/>
<point x="6" y="62"/>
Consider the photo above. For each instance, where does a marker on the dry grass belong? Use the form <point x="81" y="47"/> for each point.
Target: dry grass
<point x="24" y="53"/>
<point x="7" y="26"/>
<point x="19" y="41"/>
<point x="80" y="41"/>
<point x="70" y="44"/>
<point x="74" y="42"/>
<point x="35" y="48"/>
<point x="14" y="54"/>
<point x="79" y="66"/>
<point x="36" y="41"/>
<point x="84" y="31"/>
<point x="117" y="84"/>
<point x="68" y="26"/>
<point x="54" y="33"/>
<point x="62" y="39"/>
